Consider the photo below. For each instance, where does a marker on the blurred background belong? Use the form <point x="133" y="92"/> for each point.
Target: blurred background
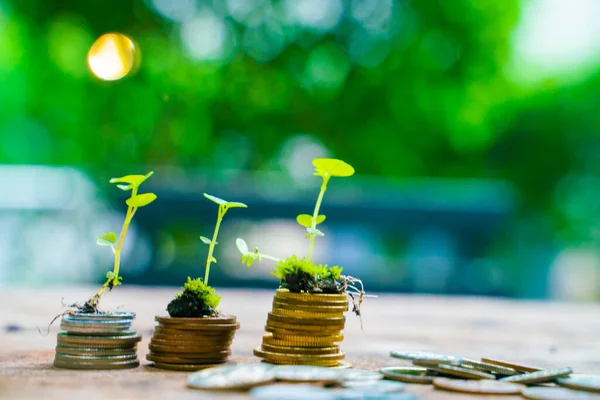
<point x="473" y="126"/>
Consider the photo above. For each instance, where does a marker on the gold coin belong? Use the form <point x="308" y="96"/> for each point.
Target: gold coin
<point x="305" y="328"/>
<point x="329" y="364"/>
<point x="205" y="327"/>
<point x="302" y="341"/>
<point x="192" y="359"/>
<point x="300" y="303"/>
<point x="307" y="321"/>
<point x="197" y="333"/>
<point x="188" y="349"/>
<point x="185" y="367"/>
<point x="310" y="308"/>
<point x="224" y="320"/>
<point x="306" y="314"/>
<point x="279" y="332"/>
<point x="191" y="343"/>
<point x="300" y="350"/>
<point x="515" y="366"/>
<point x="309" y="297"/>
<point x="268" y="355"/>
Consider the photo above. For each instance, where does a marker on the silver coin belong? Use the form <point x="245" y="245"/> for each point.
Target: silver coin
<point x="82" y="351"/>
<point x="69" y="358"/>
<point x="96" y="328"/>
<point x="123" y="323"/>
<point x="350" y="394"/>
<point x="424" y="356"/>
<point x="292" y="392"/>
<point x="102" y="316"/>
<point x="306" y="373"/>
<point x="554" y="393"/>
<point x="93" y="366"/>
<point x="408" y="374"/>
<point x="374" y="386"/>
<point x="547" y="375"/>
<point x="487" y="367"/>
<point x="589" y="383"/>
<point x="359" y="375"/>
<point x="232" y="377"/>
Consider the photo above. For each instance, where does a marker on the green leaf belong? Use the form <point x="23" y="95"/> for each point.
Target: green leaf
<point x="141" y="200"/>
<point x="125" y="187"/>
<point x="108" y="239"/>
<point x="212" y="259"/>
<point x="110" y="275"/>
<point x="306" y="220"/>
<point x="234" y="204"/>
<point x="206" y="240"/>
<point x="135" y="180"/>
<point x="315" y="232"/>
<point x="241" y="245"/>
<point x="215" y="199"/>
<point x="327" y="167"/>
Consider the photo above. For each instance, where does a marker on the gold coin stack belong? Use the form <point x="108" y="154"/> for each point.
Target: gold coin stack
<point x="191" y="344"/>
<point x="302" y="329"/>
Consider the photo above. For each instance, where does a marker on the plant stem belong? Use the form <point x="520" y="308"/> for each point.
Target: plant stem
<point x="213" y="242"/>
<point x="311" y="243"/>
<point x="268" y="257"/>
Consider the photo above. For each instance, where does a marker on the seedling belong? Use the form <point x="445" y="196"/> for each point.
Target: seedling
<point x="302" y="275"/>
<point x="197" y="298"/>
<point x="127" y="183"/>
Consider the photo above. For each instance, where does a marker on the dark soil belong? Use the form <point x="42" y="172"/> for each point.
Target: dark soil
<point x="189" y="305"/>
<point x="303" y="282"/>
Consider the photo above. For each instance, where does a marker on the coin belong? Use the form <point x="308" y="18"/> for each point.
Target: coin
<point x="548" y="375"/>
<point x="85" y="365"/>
<point x="305" y="373"/>
<point x="302" y="341"/>
<point x="374" y="386"/>
<point x="192" y="335"/>
<point x="224" y="320"/>
<point x="188" y="359"/>
<point x="310" y="307"/>
<point x="283" y="333"/>
<point x="328" y="364"/>
<point x="298" y="357"/>
<point x="67" y="340"/>
<point x="307" y="321"/>
<point x="483" y="386"/>
<point x="302" y="328"/>
<point x="310" y="297"/>
<point x="359" y="375"/>
<point x="67" y="358"/>
<point x="83" y="351"/>
<point x="102" y="316"/>
<point x="201" y="342"/>
<point x="306" y="314"/>
<point x="292" y="392"/>
<point x="407" y="374"/>
<point x="116" y="327"/>
<point x="184" y="367"/>
<point x="554" y="393"/>
<point x="423" y="355"/>
<point x="589" y="383"/>
<point x="301" y="350"/>
<point x="461" y="372"/>
<point x="516" y="367"/>
<point x="207" y="327"/>
<point x="176" y="350"/>
<point x="487" y="367"/>
<point x="232" y="377"/>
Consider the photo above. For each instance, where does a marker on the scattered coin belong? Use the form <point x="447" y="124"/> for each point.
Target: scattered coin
<point x="478" y="386"/>
<point x="292" y="392"/>
<point x="461" y="372"/>
<point x="589" y="383"/>
<point x="232" y="377"/>
<point x="408" y="374"/>
<point x="516" y="367"/>
<point x="549" y="375"/>
<point x="359" y="375"/>
<point x="374" y="386"/>
<point x="487" y="367"/>
<point x="554" y="393"/>
<point x="423" y="355"/>
<point x="306" y="373"/>
<point x="351" y="394"/>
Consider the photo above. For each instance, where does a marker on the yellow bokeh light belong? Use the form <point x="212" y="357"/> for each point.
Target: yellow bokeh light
<point x="112" y="56"/>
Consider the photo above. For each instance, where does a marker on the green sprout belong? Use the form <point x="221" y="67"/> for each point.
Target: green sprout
<point x="127" y="183"/>
<point x="197" y="298"/>
<point x="302" y="275"/>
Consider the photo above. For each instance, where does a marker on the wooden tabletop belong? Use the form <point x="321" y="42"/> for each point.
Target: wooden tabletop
<point x="543" y="334"/>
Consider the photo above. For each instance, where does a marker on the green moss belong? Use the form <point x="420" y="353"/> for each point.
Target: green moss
<point x="195" y="300"/>
<point x="301" y="275"/>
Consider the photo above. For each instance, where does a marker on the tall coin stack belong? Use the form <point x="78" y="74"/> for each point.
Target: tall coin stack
<point x="97" y="341"/>
<point x="302" y="329"/>
<point x="191" y="344"/>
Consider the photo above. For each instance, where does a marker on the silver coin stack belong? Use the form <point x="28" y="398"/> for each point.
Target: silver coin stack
<point x="97" y="341"/>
